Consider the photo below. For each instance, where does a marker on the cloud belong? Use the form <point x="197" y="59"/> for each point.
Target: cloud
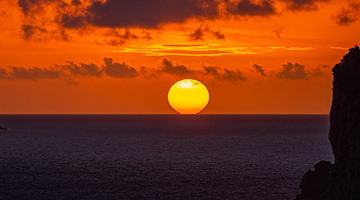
<point x="218" y="35"/>
<point x="146" y="14"/>
<point x="218" y="73"/>
<point x="149" y="14"/>
<point x="316" y="72"/>
<point x="230" y="75"/>
<point x="119" y="70"/>
<point x="72" y="22"/>
<point x="278" y="31"/>
<point x="70" y="71"/>
<point x="34" y="73"/>
<point x="41" y="22"/>
<point x="83" y="70"/>
<point x="249" y="8"/>
<point x="117" y="39"/>
<point x="348" y="15"/>
<point x="303" y="4"/>
<point x="295" y="71"/>
<point x="3" y="73"/>
<point x="197" y="35"/>
<point x="259" y="69"/>
<point x="226" y="74"/>
<point x="200" y="33"/>
<point x="29" y="31"/>
<point x="37" y="33"/>
<point x="179" y="70"/>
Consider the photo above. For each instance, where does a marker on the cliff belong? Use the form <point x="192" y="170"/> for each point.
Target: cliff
<point x="345" y="128"/>
<point x="340" y="181"/>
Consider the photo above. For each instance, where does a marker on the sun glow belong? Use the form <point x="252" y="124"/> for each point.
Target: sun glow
<point x="188" y="96"/>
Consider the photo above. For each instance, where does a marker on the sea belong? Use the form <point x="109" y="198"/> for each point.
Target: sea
<point x="245" y="157"/>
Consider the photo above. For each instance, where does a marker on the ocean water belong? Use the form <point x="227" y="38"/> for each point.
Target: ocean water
<point x="159" y="156"/>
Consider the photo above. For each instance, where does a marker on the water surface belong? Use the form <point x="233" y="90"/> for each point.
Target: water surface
<point x="159" y="156"/>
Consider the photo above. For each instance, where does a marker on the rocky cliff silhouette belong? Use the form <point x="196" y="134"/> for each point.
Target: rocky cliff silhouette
<point x="340" y="181"/>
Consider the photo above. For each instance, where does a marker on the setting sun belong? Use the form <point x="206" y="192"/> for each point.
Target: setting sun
<point x="188" y="96"/>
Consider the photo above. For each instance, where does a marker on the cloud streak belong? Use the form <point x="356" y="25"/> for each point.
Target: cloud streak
<point x="72" y="71"/>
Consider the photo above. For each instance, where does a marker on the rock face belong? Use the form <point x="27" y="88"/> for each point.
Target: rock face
<point x="343" y="176"/>
<point x="345" y="128"/>
<point x="315" y="184"/>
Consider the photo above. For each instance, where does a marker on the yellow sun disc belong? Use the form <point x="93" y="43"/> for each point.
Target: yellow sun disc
<point x="188" y="96"/>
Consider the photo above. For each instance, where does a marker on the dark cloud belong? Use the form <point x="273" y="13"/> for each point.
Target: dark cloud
<point x="231" y="75"/>
<point x="224" y="74"/>
<point x="29" y="6"/>
<point x="127" y="35"/>
<point x="72" y="21"/>
<point x="211" y="70"/>
<point x="37" y="33"/>
<point x="348" y="15"/>
<point x="303" y="4"/>
<point x="85" y="70"/>
<point x="3" y="73"/>
<point x="34" y="73"/>
<point x="30" y="31"/>
<point x="170" y="68"/>
<point x="200" y="33"/>
<point x="146" y="35"/>
<point x="197" y="35"/>
<point x="149" y="14"/>
<point x="76" y="2"/>
<point x="69" y="71"/>
<point x="39" y="24"/>
<point x="259" y="69"/>
<point x="295" y="71"/>
<point x="119" y="70"/>
<point x="249" y="8"/>
<point x="114" y="37"/>
<point x="218" y="35"/>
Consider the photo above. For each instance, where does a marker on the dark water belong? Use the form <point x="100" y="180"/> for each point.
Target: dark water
<point x="159" y="156"/>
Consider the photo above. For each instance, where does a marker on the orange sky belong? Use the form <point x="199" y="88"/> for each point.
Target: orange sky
<point x="121" y="57"/>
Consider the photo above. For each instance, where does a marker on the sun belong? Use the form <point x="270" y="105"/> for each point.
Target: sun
<point x="188" y="96"/>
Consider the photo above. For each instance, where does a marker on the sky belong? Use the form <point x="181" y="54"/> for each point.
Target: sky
<point x="122" y="56"/>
